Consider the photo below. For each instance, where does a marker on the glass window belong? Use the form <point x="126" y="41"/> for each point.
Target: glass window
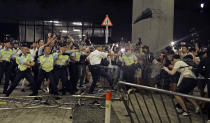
<point x="47" y="29"/>
<point x="29" y="33"/>
<point x="99" y="32"/>
<point x="38" y="33"/>
<point x="60" y="30"/>
<point x="88" y="31"/>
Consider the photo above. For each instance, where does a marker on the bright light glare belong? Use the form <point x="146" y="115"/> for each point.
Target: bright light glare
<point x="76" y="30"/>
<point x="172" y="43"/>
<point x="56" y="22"/>
<point x="122" y="50"/>
<point x="52" y="21"/>
<point x="202" y="5"/>
<point x="77" y="23"/>
<point x="64" y="31"/>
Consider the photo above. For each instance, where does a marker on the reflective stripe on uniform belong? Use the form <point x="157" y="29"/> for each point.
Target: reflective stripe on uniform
<point x="6" y="54"/>
<point x="62" y="59"/>
<point x="129" y="60"/>
<point x="27" y="59"/>
<point x="47" y="63"/>
<point x="78" y="55"/>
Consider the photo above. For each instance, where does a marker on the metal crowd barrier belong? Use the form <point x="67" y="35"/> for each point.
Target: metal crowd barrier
<point x="151" y="105"/>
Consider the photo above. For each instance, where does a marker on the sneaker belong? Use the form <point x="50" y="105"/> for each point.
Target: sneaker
<point x="185" y="114"/>
<point x="179" y="110"/>
<point x="197" y="110"/>
<point x="48" y="90"/>
<point x="130" y="91"/>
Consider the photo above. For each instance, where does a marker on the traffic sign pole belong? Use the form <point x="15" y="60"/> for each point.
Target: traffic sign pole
<point x="107" y="22"/>
<point x="107" y="34"/>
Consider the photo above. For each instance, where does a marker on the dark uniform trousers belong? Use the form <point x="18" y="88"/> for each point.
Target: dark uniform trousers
<point x="20" y="75"/>
<point x="74" y="75"/>
<point x="96" y="72"/>
<point x="35" y="70"/>
<point x="128" y="73"/>
<point x="14" y="68"/>
<point x="61" y="74"/>
<point x="5" y="68"/>
<point x="50" y="75"/>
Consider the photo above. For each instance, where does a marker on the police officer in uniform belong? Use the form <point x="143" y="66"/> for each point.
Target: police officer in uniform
<point x="25" y="63"/>
<point x="129" y="59"/>
<point x="61" y="70"/>
<point x="46" y="69"/>
<point x="5" y="66"/>
<point x="75" y="66"/>
<point x="16" y="52"/>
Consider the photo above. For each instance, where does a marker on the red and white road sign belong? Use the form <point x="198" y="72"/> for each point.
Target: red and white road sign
<point x="107" y="21"/>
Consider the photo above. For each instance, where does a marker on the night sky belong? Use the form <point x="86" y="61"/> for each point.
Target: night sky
<point x="187" y="14"/>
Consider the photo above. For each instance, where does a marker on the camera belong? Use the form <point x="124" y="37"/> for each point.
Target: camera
<point x="139" y="42"/>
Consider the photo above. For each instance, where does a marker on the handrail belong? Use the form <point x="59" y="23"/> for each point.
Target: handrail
<point x="70" y="96"/>
<point x="165" y="91"/>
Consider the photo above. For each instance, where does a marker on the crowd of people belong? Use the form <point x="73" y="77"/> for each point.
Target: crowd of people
<point x="68" y="65"/>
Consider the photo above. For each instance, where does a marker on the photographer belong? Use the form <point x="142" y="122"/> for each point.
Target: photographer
<point x="170" y="80"/>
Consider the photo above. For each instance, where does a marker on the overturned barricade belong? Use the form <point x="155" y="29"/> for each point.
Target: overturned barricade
<point x="151" y="105"/>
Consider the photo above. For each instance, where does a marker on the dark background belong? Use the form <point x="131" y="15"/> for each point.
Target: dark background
<point x="187" y="15"/>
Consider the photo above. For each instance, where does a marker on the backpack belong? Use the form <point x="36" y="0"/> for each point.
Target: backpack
<point x="104" y="62"/>
<point x="189" y="61"/>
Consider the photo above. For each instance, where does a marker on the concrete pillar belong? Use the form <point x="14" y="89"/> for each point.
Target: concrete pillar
<point x="156" y="32"/>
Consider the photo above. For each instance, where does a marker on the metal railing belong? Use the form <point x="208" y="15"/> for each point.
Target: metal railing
<point x="151" y="105"/>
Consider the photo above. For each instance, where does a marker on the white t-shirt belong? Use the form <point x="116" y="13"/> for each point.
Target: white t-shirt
<point x="33" y="53"/>
<point x="96" y="56"/>
<point x="183" y="69"/>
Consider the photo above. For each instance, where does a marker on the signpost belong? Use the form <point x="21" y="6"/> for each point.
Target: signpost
<point x="107" y="22"/>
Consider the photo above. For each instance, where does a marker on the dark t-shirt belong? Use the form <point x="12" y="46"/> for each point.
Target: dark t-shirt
<point x="204" y="67"/>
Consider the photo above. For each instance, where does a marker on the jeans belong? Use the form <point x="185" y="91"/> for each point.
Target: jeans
<point x="82" y="69"/>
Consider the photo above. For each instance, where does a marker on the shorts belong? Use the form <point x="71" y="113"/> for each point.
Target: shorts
<point x="187" y="85"/>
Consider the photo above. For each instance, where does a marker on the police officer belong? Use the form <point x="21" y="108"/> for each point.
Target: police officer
<point x="25" y="63"/>
<point x="46" y="69"/>
<point x="61" y="70"/>
<point x="75" y="66"/>
<point x="129" y="59"/>
<point x="5" y="57"/>
<point x="16" y="52"/>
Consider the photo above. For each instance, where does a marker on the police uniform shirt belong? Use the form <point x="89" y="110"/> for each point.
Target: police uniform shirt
<point x="12" y="55"/>
<point x="134" y="58"/>
<point x="21" y="60"/>
<point x="96" y="56"/>
<point x="55" y="56"/>
<point x="47" y="62"/>
<point x="67" y="60"/>
<point x="74" y="55"/>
